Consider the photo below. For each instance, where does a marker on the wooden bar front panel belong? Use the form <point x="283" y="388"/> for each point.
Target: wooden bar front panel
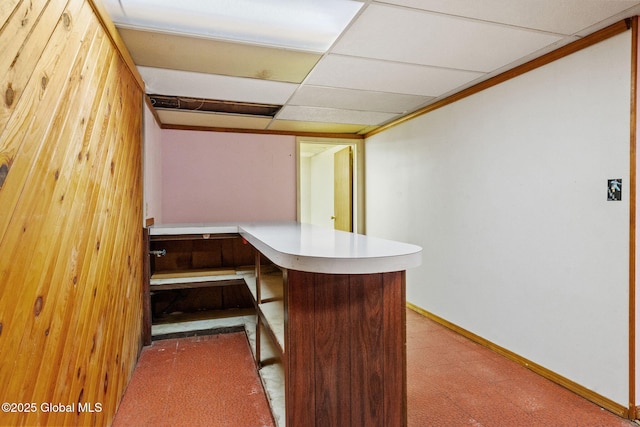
<point x="299" y="363"/>
<point x="331" y="360"/>
<point x="345" y="346"/>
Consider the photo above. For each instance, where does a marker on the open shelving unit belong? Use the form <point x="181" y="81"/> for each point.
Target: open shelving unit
<point x="267" y="288"/>
<point x="200" y="273"/>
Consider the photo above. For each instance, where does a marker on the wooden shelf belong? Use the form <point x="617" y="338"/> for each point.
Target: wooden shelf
<point x="250" y="280"/>
<point x="180" y="275"/>
<point x="273" y="317"/>
<point x="190" y="279"/>
<point x="269" y="301"/>
<point x="271" y="287"/>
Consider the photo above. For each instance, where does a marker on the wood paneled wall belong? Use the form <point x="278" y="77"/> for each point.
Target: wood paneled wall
<point x="70" y="215"/>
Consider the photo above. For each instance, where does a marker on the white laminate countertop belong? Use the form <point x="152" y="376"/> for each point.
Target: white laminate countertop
<point x="316" y="249"/>
<point x="193" y="228"/>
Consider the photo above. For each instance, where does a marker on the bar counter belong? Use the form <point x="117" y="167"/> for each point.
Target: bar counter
<point x="338" y="324"/>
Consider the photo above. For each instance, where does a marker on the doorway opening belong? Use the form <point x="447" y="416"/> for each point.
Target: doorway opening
<point x="330" y="181"/>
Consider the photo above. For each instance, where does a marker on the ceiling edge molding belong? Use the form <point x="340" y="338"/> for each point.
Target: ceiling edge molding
<point x="265" y="132"/>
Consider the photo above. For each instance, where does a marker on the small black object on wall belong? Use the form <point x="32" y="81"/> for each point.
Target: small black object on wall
<point x="614" y="190"/>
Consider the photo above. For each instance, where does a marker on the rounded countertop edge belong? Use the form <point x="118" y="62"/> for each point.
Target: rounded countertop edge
<point x="409" y="257"/>
<point x="274" y="241"/>
<point x="351" y="265"/>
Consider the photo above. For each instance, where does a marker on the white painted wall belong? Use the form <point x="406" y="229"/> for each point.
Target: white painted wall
<point x="152" y="167"/>
<point x="304" y="189"/>
<point x="506" y="192"/>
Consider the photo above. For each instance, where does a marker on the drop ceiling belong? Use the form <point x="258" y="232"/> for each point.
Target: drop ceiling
<point x="385" y="59"/>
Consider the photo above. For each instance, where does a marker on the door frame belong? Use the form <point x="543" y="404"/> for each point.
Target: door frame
<point x="357" y="145"/>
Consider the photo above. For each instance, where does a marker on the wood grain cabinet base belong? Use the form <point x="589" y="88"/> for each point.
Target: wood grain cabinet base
<point x="341" y="341"/>
<point x="345" y="359"/>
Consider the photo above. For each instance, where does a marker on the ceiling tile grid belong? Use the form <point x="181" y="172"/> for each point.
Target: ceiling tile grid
<point x="352" y="99"/>
<point x="417" y="37"/>
<point x="333" y="115"/>
<point x="349" y="72"/>
<point x="565" y="17"/>
<point x="385" y="76"/>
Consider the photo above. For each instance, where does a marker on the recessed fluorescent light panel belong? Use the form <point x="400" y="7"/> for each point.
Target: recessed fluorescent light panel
<point x="311" y="25"/>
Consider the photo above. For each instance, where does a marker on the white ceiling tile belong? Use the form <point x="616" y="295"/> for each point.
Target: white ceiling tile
<point x="161" y="50"/>
<point x="563" y="17"/>
<point x="382" y="76"/>
<point x="310" y="25"/>
<point x="331" y="115"/>
<point x="351" y="99"/>
<point x="199" y="85"/>
<point x="406" y="35"/>
<point x="213" y="120"/>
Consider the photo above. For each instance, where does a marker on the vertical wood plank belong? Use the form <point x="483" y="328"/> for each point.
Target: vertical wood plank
<point x="62" y="220"/>
<point x="209" y="253"/>
<point x="258" y="298"/>
<point x="37" y="215"/>
<point x="97" y="258"/>
<point x="70" y="212"/>
<point x="242" y="252"/>
<point x="84" y="224"/>
<point x="333" y="366"/>
<point x="395" y="344"/>
<point x="146" y="291"/>
<point x="367" y="349"/>
<point x="7" y="7"/>
<point x="300" y="348"/>
<point x="345" y="349"/>
<point x="23" y="36"/>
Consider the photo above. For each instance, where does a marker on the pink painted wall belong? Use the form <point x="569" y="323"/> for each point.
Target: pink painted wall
<point x="227" y="177"/>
